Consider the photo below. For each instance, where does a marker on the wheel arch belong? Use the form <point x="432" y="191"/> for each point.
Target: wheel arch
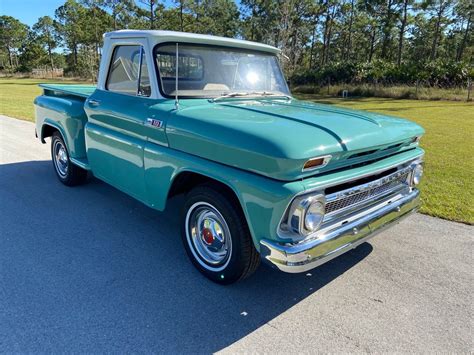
<point x="263" y="201"/>
<point x="47" y="130"/>
<point x="185" y="180"/>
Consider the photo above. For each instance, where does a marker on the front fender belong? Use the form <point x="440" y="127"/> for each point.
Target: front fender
<point x="263" y="200"/>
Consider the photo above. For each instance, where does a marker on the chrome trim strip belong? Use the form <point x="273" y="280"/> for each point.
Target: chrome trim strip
<point x="368" y="186"/>
<point x="311" y="253"/>
<point x="362" y="206"/>
<point x="286" y="235"/>
<point x="375" y="172"/>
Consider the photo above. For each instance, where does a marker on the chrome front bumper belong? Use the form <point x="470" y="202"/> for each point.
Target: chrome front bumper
<point x="306" y="255"/>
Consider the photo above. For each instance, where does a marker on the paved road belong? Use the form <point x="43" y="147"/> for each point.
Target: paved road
<point x="89" y="269"/>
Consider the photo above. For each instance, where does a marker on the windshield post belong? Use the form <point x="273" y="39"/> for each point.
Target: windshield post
<point x="176" y="98"/>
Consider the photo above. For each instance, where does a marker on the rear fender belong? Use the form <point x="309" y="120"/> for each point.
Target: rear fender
<point x="65" y="114"/>
<point x="48" y="125"/>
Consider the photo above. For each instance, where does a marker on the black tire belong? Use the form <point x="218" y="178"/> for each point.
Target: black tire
<point x="67" y="172"/>
<point x="242" y="259"/>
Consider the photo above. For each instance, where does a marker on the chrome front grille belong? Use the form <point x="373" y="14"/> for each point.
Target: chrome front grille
<point x="368" y="192"/>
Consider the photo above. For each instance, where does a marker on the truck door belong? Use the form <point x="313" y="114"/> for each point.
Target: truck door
<point x="117" y="113"/>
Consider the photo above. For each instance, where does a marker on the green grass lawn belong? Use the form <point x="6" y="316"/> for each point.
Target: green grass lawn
<point x="447" y="188"/>
<point x="17" y="95"/>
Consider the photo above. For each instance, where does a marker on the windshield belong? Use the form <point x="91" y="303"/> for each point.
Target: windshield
<point x="208" y="71"/>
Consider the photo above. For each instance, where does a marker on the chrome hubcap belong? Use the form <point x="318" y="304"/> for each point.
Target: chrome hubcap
<point x="208" y="236"/>
<point x="61" y="161"/>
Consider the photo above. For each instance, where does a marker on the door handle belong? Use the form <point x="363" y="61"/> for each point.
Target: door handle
<point x="94" y="103"/>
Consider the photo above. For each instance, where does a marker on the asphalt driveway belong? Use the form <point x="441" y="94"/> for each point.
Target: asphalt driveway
<point x="89" y="269"/>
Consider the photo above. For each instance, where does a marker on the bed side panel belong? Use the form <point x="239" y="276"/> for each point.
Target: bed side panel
<point x="66" y="113"/>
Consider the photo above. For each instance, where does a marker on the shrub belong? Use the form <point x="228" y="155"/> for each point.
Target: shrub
<point x="436" y="73"/>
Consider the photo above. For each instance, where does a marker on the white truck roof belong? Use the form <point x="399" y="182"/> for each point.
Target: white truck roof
<point x="158" y="36"/>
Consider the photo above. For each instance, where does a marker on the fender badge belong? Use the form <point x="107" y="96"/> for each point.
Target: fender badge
<point x="154" y="123"/>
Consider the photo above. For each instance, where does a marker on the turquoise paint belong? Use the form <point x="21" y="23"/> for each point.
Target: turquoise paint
<point x="276" y="137"/>
<point x="68" y="116"/>
<point x="83" y="91"/>
<point x="263" y="200"/>
<point x="117" y="159"/>
<point x="256" y="147"/>
<point x="115" y="140"/>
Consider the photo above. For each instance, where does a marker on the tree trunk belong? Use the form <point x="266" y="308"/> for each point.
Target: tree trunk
<point x="312" y="43"/>
<point x="50" y="53"/>
<point x="286" y="34"/>
<point x="10" y="57"/>
<point x="349" y="39"/>
<point x="326" y="40"/>
<point x="97" y="57"/>
<point x="152" y="14"/>
<point x="74" y="54"/>
<point x="402" y="32"/>
<point x="372" y="45"/>
<point x="434" y="47"/>
<point x="464" y="40"/>
<point x="323" y="54"/>
<point x="387" y="30"/>
<point x="252" y="27"/>
<point x="198" y="18"/>
<point x="181" y="9"/>
<point x="330" y="33"/>
<point x="114" y="13"/>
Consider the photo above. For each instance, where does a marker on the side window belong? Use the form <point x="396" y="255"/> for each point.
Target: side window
<point x="128" y="72"/>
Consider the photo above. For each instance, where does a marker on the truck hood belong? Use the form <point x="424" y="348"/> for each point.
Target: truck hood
<point x="276" y="137"/>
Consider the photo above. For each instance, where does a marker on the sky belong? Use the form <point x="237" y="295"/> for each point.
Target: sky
<point x="28" y="11"/>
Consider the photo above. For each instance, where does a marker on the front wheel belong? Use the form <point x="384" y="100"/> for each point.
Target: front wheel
<point x="68" y="173"/>
<point x="216" y="235"/>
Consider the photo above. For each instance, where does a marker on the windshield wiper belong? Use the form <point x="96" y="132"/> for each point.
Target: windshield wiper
<point x="231" y="94"/>
<point x="269" y="93"/>
<point x="250" y="93"/>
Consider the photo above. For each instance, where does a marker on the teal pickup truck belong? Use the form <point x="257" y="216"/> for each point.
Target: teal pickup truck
<point x="265" y="176"/>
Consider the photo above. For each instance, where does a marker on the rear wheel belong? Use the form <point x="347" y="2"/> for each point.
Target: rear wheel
<point x="216" y="235"/>
<point x="68" y="173"/>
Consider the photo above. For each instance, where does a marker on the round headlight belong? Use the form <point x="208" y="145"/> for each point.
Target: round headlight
<point x="314" y="216"/>
<point x="417" y="174"/>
